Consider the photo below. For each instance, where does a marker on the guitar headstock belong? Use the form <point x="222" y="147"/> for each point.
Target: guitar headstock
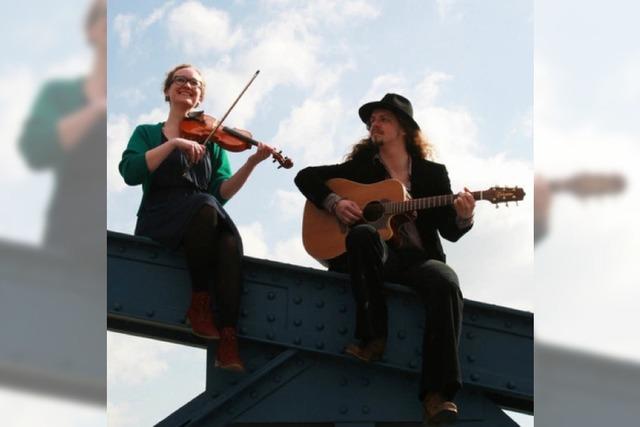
<point x="503" y="194"/>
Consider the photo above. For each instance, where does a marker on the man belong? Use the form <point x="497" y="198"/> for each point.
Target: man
<point x="396" y="149"/>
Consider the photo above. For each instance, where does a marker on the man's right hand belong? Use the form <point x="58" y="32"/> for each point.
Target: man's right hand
<point x="348" y="211"/>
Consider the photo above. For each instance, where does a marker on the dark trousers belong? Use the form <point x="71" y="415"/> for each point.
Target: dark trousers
<point x="370" y="262"/>
<point x="214" y="260"/>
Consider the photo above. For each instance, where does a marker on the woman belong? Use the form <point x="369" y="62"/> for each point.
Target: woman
<point x="184" y="186"/>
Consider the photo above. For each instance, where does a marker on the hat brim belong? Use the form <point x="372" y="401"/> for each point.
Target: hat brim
<point x="367" y="109"/>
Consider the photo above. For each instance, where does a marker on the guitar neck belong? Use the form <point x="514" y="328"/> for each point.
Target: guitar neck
<point x="425" y="203"/>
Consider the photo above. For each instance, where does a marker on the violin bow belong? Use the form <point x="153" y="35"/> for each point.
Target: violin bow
<point x="206" y="141"/>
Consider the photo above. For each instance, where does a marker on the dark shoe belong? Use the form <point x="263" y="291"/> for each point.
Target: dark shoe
<point x="200" y="318"/>
<point x="228" y="356"/>
<point x="369" y="352"/>
<point x="437" y="410"/>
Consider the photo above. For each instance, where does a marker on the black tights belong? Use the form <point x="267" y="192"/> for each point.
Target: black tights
<point x="214" y="260"/>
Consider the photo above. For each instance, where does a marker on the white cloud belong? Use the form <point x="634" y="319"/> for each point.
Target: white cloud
<point x="123" y="25"/>
<point x="291" y="251"/>
<point x="447" y="9"/>
<point x="289" y="204"/>
<point x="253" y="240"/>
<point x="133" y="361"/>
<point x="122" y="414"/>
<point x="201" y="30"/>
<point x="310" y="131"/>
<point x="428" y="89"/>
<point x="155" y="16"/>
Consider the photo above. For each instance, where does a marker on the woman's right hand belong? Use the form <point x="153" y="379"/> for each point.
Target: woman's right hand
<point x="347" y="211"/>
<point x="191" y="149"/>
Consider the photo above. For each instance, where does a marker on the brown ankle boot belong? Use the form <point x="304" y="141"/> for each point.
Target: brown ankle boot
<point x="200" y="317"/>
<point x="369" y="352"/>
<point x="437" y="410"/>
<point x="228" y="356"/>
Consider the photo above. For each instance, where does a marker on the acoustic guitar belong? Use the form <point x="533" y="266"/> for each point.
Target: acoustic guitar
<point x="323" y="235"/>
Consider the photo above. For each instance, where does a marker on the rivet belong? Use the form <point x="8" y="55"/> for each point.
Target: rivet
<point x="297" y="300"/>
<point x="271" y="296"/>
<point x="320" y="326"/>
<point x="320" y="304"/>
<point x="365" y="409"/>
<point x="271" y="318"/>
<point x="511" y="385"/>
<point x="344" y="409"/>
<point x="297" y="322"/>
<point x="474" y="377"/>
<point x="117" y="306"/>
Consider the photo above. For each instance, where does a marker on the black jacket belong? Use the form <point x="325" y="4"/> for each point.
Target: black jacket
<point x="427" y="179"/>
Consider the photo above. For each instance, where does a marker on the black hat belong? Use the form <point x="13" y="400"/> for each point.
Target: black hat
<point x="391" y="101"/>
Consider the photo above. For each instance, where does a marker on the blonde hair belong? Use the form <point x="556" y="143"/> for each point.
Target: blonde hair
<point x="169" y="80"/>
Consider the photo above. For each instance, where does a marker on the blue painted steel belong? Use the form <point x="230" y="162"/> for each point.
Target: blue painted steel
<point x="300" y="320"/>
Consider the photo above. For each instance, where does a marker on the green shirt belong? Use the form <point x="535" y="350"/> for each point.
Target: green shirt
<point x="133" y="166"/>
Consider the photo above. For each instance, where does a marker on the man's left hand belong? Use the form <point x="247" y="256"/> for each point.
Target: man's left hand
<point x="464" y="204"/>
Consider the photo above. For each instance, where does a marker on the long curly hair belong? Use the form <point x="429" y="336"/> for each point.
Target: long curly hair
<point x="415" y="142"/>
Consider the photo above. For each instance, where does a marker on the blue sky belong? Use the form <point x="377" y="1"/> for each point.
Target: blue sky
<point x="466" y="67"/>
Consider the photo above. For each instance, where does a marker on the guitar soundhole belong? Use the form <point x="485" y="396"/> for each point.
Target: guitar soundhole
<point x="373" y="211"/>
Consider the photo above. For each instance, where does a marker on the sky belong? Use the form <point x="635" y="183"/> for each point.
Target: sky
<point x="466" y="67"/>
<point x="470" y="69"/>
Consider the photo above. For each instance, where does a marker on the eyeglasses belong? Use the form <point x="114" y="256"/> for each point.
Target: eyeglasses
<point x="181" y="81"/>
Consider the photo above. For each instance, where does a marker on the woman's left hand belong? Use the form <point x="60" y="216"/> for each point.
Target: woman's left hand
<point x="464" y="204"/>
<point x="262" y="153"/>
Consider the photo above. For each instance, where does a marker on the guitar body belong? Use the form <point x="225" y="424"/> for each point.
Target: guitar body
<point x="324" y="236"/>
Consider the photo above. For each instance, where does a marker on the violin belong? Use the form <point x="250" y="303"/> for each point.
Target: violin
<point x="198" y="126"/>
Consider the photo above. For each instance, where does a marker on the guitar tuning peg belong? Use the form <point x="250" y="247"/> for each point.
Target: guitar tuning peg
<point x="497" y="206"/>
<point x="516" y="203"/>
<point x="507" y="203"/>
